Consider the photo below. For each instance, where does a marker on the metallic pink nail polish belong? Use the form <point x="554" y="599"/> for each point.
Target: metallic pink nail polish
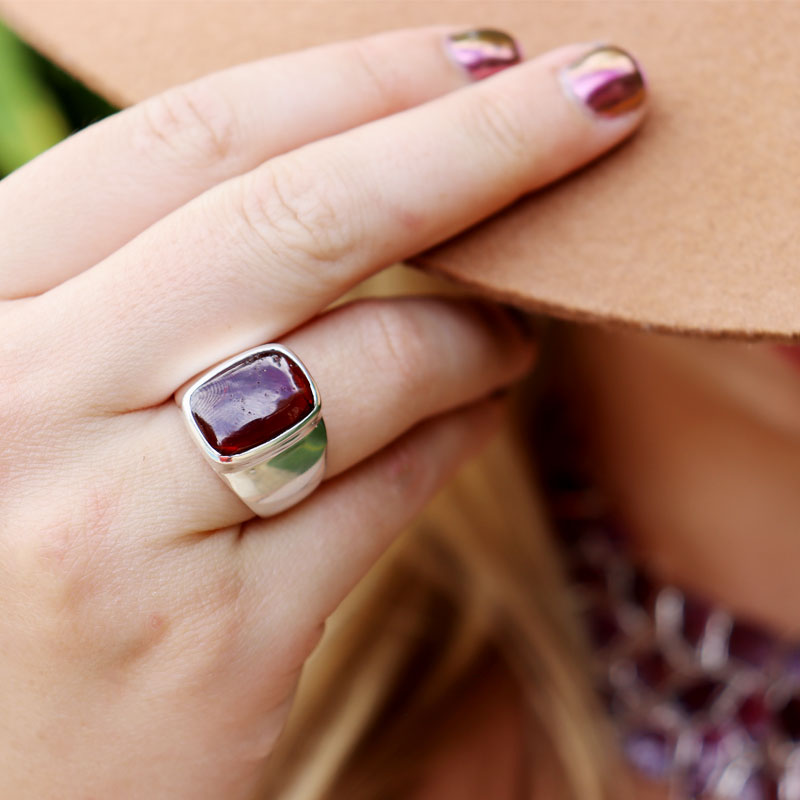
<point x="607" y="80"/>
<point x="483" y="52"/>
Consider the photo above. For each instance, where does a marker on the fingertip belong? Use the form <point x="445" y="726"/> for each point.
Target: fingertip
<point x="606" y="82"/>
<point x="481" y="52"/>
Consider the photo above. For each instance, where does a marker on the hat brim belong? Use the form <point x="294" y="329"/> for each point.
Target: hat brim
<point x="689" y="227"/>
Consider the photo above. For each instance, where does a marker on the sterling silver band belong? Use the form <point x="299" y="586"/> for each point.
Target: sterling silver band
<point x="275" y="474"/>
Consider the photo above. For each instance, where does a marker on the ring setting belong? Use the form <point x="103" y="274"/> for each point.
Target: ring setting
<point x="257" y="418"/>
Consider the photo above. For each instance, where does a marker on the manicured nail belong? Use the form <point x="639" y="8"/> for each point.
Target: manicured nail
<point x="607" y="80"/>
<point x="483" y="52"/>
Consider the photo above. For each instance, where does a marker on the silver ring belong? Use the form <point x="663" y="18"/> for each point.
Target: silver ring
<point x="257" y="418"/>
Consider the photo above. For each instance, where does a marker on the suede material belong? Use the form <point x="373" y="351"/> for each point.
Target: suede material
<point x="689" y="227"/>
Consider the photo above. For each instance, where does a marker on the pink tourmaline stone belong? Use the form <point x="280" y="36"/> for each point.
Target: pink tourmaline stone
<point x="251" y="402"/>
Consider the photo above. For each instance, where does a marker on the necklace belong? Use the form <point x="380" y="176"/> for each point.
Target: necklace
<point x="703" y="701"/>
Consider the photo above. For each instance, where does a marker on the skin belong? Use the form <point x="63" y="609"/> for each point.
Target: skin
<point x="153" y="630"/>
<point x="702" y="446"/>
<point x="699" y="441"/>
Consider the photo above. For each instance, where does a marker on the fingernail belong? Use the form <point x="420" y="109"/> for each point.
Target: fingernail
<point x="606" y="80"/>
<point x="484" y="51"/>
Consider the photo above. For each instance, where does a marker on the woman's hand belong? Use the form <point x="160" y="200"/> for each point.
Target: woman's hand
<point x="152" y="629"/>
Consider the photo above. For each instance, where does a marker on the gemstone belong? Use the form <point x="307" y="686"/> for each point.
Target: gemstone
<point x="754" y="715"/>
<point x="650" y="751"/>
<point x="251" y="402"/>
<point x="710" y="758"/>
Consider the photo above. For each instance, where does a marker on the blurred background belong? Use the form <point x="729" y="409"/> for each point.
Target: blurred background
<point x="39" y="103"/>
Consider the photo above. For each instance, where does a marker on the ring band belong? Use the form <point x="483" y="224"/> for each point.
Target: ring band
<point x="257" y="419"/>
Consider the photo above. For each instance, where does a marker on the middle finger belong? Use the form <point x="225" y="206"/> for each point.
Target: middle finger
<point x="257" y="255"/>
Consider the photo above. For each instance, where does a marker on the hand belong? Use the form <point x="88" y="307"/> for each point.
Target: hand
<point x="152" y="629"/>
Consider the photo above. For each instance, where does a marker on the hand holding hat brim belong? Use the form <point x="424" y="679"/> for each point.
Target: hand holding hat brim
<point x="149" y="596"/>
<point x="691" y="228"/>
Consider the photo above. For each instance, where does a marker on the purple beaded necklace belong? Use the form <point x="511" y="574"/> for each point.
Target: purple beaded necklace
<point x="703" y="701"/>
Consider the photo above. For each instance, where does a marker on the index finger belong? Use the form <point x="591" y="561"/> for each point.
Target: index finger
<point x="260" y="254"/>
<point x="96" y="190"/>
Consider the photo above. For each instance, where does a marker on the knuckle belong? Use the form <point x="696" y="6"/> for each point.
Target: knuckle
<point x="64" y="558"/>
<point x="497" y="122"/>
<point x="397" y="343"/>
<point x="22" y="385"/>
<point x="75" y="580"/>
<point x="406" y="474"/>
<point x="69" y="548"/>
<point x="15" y="344"/>
<point x="368" y="55"/>
<point x="299" y="212"/>
<point x="219" y="614"/>
<point x="15" y="403"/>
<point x="193" y="123"/>
<point x="297" y="643"/>
<point x="221" y="599"/>
<point x="39" y="404"/>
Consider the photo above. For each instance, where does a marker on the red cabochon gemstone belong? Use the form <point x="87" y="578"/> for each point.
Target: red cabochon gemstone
<point x="251" y="402"/>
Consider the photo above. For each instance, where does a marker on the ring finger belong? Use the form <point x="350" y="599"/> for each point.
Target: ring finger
<point x="153" y="157"/>
<point x="382" y="366"/>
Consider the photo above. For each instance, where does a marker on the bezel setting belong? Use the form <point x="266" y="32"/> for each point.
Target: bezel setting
<point x="272" y="447"/>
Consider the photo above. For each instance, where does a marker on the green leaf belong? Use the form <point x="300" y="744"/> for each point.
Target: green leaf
<point x="30" y="118"/>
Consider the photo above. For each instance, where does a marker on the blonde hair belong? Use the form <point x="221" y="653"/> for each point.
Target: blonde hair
<point x="476" y="578"/>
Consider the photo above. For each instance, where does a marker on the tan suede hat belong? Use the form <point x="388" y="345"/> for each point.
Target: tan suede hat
<point x="691" y="226"/>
